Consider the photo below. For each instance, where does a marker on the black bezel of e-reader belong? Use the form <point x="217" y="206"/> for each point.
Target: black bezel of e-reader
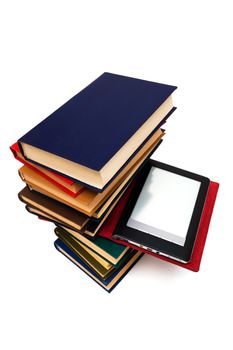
<point x="156" y="244"/>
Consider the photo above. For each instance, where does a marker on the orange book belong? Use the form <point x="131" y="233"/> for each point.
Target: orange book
<point x="67" y="185"/>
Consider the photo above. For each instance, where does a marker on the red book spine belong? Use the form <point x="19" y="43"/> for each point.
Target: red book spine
<point x="15" y="149"/>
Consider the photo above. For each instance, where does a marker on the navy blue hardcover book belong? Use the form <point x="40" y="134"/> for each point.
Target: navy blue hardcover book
<point x="138" y="149"/>
<point x="88" y="137"/>
<point x="110" y="283"/>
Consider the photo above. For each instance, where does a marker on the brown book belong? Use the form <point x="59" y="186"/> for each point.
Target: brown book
<point x="90" y="228"/>
<point x="88" y="202"/>
<point x="56" y="209"/>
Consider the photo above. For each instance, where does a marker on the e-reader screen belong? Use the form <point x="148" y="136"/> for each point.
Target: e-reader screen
<point x="165" y="205"/>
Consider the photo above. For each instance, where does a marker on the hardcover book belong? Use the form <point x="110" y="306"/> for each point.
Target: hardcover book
<point x="111" y="282"/>
<point x="106" y="248"/>
<point x="91" y="227"/>
<point x="119" y="126"/>
<point x="53" y="208"/>
<point x="97" y="263"/>
<point x="67" y="185"/>
<point x="89" y="201"/>
<point x="100" y="266"/>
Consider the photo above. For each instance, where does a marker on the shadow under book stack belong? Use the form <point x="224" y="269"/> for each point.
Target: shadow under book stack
<point x="81" y="163"/>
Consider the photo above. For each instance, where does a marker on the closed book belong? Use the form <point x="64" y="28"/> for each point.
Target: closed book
<point x="93" y="260"/>
<point x="67" y="185"/>
<point x="91" y="227"/>
<point x="98" y="215"/>
<point x="57" y="210"/>
<point x="111" y="282"/>
<point x="106" y="248"/>
<point x="101" y="128"/>
<point x="89" y="202"/>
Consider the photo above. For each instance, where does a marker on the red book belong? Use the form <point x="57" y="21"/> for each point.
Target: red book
<point x="62" y="182"/>
<point x="194" y="264"/>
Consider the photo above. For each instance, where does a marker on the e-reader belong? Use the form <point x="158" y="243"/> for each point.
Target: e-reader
<point x="164" y="210"/>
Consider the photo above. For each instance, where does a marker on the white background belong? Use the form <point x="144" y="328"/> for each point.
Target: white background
<point x="49" y="51"/>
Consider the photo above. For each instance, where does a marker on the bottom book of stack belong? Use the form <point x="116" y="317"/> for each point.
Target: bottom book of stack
<point x="106" y="262"/>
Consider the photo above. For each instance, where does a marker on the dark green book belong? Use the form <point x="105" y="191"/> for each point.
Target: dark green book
<point x="109" y="250"/>
<point x="112" y="281"/>
<point x="100" y="266"/>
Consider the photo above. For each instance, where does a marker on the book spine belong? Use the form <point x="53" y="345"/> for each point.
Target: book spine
<point x="54" y="182"/>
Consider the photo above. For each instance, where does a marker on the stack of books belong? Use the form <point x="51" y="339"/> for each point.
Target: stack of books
<point x="83" y="164"/>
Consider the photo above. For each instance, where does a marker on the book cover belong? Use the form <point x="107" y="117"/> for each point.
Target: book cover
<point x="111" y="251"/>
<point x="119" y="172"/>
<point x="111" y="282"/>
<point x="114" y="106"/>
<point x="103" y="117"/>
<point x="86" y="256"/>
<point x="91" y="227"/>
<point x="67" y="185"/>
<point x="89" y="201"/>
<point x="54" y="208"/>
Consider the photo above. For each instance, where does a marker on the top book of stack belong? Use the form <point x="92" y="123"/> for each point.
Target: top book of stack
<point x="92" y="137"/>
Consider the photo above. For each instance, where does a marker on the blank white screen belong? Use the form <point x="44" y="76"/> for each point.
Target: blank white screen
<point x="165" y="205"/>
